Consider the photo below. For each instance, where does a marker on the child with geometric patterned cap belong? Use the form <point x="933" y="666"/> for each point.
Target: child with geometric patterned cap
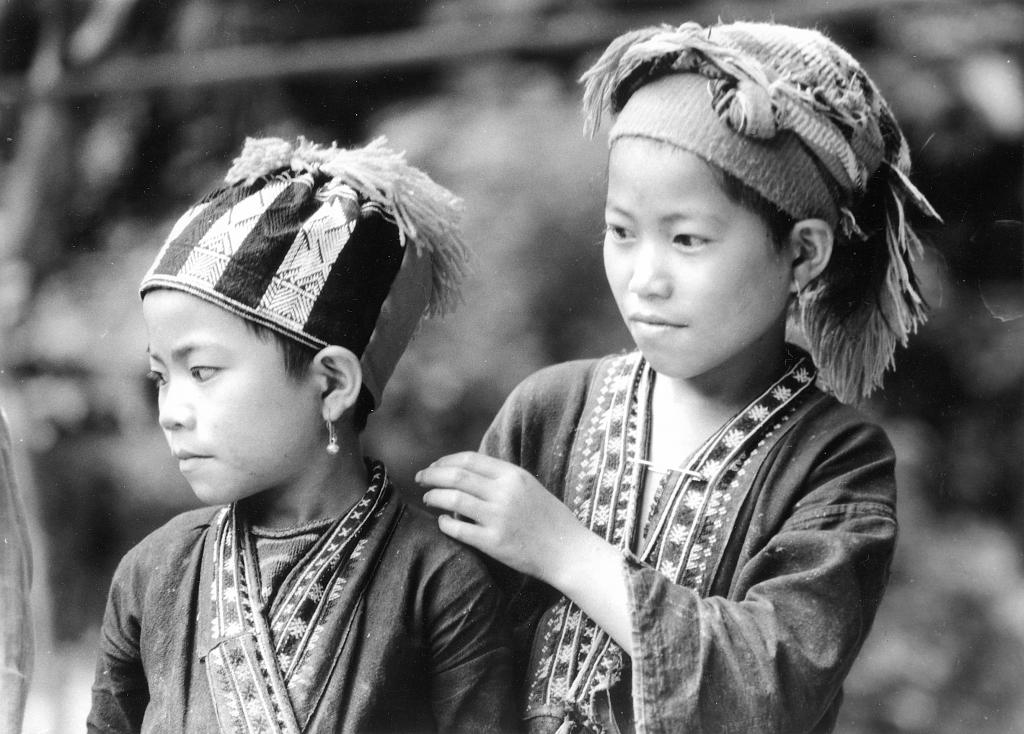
<point x="703" y="528"/>
<point x="310" y="598"/>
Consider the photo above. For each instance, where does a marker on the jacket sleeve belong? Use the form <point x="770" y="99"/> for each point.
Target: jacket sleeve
<point x="120" y="692"/>
<point x="470" y="656"/>
<point x="772" y="654"/>
<point x="535" y="427"/>
<point x="15" y="580"/>
<point x="534" y="430"/>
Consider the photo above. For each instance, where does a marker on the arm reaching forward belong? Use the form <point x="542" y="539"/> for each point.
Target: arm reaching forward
<point x="503" y="511"/>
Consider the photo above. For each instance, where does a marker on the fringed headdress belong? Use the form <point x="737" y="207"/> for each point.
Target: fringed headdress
<point x="795" y="118"/>
<point x="314" y="242"/>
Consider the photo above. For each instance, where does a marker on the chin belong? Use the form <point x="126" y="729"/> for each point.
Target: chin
<point x="217" y="496"/>
<point x="206" y="496"/>
<point x="672" y="365"/>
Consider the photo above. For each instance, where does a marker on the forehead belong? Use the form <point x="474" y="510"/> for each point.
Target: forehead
<point x="175" y="319"/>
<point x="646" y="174"/>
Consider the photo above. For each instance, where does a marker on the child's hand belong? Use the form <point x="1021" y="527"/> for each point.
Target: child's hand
<point x="501" y="510"/>
<point x="506" y="513"/>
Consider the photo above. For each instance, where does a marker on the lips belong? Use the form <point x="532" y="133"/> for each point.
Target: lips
<point x="183" y="455"/>
<point x="653" y="320"/>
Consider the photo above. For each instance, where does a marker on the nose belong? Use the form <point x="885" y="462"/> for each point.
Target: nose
<point x="175" y="407"/>
<point x="649" y="277"/>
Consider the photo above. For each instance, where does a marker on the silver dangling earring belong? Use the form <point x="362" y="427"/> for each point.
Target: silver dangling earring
<point x="332" y="439"/>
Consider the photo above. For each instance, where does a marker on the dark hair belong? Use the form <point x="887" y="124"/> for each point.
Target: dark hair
<point x="857" y="266"/>
<point x="297" y="359"/>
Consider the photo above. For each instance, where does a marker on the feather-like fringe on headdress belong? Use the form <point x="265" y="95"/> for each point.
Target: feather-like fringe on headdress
<point x="852" y="348"/>
<point x="426" y="213"/>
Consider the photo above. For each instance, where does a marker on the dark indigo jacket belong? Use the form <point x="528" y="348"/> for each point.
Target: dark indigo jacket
<point x="765" y="644"/>
<point x="426" y="652"/>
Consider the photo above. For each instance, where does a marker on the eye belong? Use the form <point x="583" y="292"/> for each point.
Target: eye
<point x="156" y="378"/>
<point x="616" y="232"/>
<point x="688" y="241"/>
<point x="202" y="374"/>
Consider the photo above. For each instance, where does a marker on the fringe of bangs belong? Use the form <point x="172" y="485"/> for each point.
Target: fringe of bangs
<point x="426" y="213"/>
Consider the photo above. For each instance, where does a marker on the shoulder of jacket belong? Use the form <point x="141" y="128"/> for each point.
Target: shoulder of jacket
<point x="189" y="521"/>
<point x="826" y="417"/>
<point x="824" y="429"/>
<point x="178" y="533"/>
<point x="567" y="378"/>
<point x="557" y="376"/>
<point x="418" y="537"/>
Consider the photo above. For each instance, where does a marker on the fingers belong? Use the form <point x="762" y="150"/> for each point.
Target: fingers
<point x="456" y="501"/>
<point x="475" y="462"/>
<point x="470" y="472"/>
<point x="464" y="532"/>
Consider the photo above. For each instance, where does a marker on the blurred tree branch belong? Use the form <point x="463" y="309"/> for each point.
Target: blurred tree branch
<point x="564" y="34"/>
<point x="28" y="176"/>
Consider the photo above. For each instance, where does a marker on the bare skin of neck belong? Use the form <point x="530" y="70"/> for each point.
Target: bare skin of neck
<point x="684" y="414"/>
<point x="329" y="488"/>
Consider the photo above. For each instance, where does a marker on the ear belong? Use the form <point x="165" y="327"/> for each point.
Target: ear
<point x="810" y="243"/>
<point x="340" y="376"/>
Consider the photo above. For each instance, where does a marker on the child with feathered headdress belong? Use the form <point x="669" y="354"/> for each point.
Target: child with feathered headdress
<point x="704" y="527"/>
<point x="310" y="597"/>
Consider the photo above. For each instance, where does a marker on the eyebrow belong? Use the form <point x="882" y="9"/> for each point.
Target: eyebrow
<point x="180" y="353"/>
<point x="674" y="218"/>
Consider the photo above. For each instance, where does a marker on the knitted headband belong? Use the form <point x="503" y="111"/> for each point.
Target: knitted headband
<point x="794" y="117"/>
<point x="313" y="243"/>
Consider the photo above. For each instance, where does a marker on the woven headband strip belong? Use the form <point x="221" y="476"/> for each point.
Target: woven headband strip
<point x="842" y="118"/>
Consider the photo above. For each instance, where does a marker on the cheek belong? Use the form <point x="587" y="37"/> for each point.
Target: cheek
<point x="771" y="294"/>
<point x="294" y="415"/>
<point x="251" y="420"/>
<point x="616" y="272"/>
<point x="734" y="289"/>
<point x="778" y="276"/>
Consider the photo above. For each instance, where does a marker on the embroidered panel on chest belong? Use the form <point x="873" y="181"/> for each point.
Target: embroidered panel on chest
<point x="606" y="493"/>
<point x="700" y="514"/>
<point x="575" y="656"/>
<point x="255" y="654"/>
<point x="306" y="599"/>
<point x="298" y="621"/>
<point x="226" y="620"/>
<point x="577" y="659"/>
<point x="238" y="670"/>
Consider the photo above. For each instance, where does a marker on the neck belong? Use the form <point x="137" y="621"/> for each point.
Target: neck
<point x="687" y="411"/>
<point x="729" y="387"/>
<point x="329" y="488"/>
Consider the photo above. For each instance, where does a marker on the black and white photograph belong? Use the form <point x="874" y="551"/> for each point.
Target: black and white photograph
<point x="511" y="367"/>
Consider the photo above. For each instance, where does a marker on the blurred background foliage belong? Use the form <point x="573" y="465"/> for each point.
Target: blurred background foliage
<point x="115" y="114"/>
